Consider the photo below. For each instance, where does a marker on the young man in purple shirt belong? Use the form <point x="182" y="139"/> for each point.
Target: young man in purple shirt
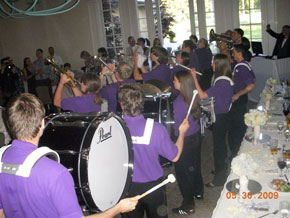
<point x="162" y="72"/>
<point x="123" y="74"/>
<point x="150" y="139"/>
<point x="188" y="47"/>
<point x="48" y="191"/>
<point x="244" y="82"/>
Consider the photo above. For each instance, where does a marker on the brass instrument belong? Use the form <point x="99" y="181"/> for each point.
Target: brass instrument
<point x="57" y="69"/>
<point x="221" y="38"/>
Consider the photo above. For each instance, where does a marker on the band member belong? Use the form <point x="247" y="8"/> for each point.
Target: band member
<point x="188" y="170"/>
<point x="123" y="74"/>
<point x="48" y="191"/>
<point x="244" y="80"/>
<point x="188" y="47"/>
<point x="87" y="99"/>
<point x="150" y="139"/>
<point x="181" y="58"/>
<point x="222" y="91"/>
<point x="162" y="72"/>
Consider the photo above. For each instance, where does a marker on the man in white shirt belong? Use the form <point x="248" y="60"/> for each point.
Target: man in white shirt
<point x="132" y="50"/>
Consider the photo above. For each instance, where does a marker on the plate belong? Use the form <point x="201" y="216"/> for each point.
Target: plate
<point x="271" y="187"/>
<point x="262" y="139"/>
<point x="253" y="186"/>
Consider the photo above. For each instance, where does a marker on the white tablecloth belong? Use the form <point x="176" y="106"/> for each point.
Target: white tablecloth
<point x="265" y="68"/>
<point x="261" y="154"/>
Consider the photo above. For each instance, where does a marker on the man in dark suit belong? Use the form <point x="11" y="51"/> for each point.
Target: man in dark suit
<point x="282" y="46"/>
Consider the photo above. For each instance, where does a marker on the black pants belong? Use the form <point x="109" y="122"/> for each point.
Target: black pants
<point x="220" y="129"/>
<point x="237" y="126"/>
<point x="155" y="204"/>
<point x="188" y="170"/>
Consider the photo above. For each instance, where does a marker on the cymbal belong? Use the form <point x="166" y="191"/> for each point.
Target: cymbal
<point x="149" y="89"/>
<point x="163" y="87"/>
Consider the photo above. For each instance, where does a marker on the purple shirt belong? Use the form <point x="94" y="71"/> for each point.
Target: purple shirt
<point x="109" y="92"/>
<point x="243" y="77"/>
<point x="180" y="110"/>
<point x="222" y="91"/>
<point x="146" y="164"/>
<point x="47" y="192"/>
<point x="81" y="104"/>
<point x="162" y="73"/>
<point x="193" y="62"/>
<point x="204" y="58"/>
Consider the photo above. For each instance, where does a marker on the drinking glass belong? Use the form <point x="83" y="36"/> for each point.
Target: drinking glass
<point x="287" y="134"/>
<point x="284" y="207"/>
<point x="281" y="164"/>
<point x="274" y="146"/>
<point x="280" y="126"/>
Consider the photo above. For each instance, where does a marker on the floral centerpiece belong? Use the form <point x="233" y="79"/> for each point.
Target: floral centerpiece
<point x="255" y="118"/>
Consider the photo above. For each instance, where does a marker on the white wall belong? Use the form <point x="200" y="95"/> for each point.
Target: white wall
<point x="68" y="33"/>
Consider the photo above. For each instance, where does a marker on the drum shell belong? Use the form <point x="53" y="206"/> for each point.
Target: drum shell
<point x="71" y="136"/>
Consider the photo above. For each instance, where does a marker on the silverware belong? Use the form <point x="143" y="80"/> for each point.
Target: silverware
<point x="288" y="183"/>
<point x="275" y="212"/>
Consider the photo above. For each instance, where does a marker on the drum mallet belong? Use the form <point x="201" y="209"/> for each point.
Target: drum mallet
<point x="185" y="67"/>
<point x="103" y="62"/>
<point x="195" y="92"/>
<point x="170" y="179"/>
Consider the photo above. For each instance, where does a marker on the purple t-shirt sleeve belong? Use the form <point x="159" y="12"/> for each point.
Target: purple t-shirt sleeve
<point x="166" y="147"/>
<point x="68" y="104"/>
<point x="213" y="91"/>
<point x="247" y="76"/>
<point x="64" y="197"/>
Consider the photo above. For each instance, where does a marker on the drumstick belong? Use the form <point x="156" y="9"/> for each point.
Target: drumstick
<point x="195" y="92"/>
<point x="170" y="179"/>
<point x="185" y="67"/>
<point x="103" y="62"/>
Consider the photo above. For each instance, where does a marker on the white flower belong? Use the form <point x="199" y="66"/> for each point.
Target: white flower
<point x="244" y="165"/>
<point x="255" y="118"/>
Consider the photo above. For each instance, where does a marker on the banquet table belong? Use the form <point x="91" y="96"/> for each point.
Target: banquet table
<point x="267" y="171"/>
<point x="265" y="68"/>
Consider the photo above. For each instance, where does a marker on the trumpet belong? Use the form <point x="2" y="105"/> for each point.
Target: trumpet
<point x="58" y="70"/>
<point x="221" y="38"/>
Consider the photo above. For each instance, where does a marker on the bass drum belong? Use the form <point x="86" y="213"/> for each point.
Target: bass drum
<point x="98" y="151"/>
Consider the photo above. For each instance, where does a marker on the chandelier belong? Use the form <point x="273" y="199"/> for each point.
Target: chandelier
<point x="8" y="9"/>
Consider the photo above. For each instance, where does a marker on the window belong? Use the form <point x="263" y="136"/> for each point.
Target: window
<point x="196" y="18"/>
<point x="250" y="19"/>
<point x="142" y="18"/>
<point x="112" y="27"/>
<point x="209" y="16"/>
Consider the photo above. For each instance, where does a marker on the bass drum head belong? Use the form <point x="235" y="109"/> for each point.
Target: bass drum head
<point x="110" y="163"/>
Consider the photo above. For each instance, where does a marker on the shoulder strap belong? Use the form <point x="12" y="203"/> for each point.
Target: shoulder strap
<point x="145" y="139"/>
<point x="223" y="78"/>
<point x="104" y="105"/>
<point x="246" y="64"/>
<point x="24" y="169"/>
<point x="2" y="150"/>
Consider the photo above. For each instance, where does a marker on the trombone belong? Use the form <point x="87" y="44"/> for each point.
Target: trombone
<point x="58" y="70"/>
<point x="221" y="38"/>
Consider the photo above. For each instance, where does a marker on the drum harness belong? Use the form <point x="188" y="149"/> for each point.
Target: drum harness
<point x="205" y="122"/>
<point x="24" y="169"/>
<point x="145" y="139"/>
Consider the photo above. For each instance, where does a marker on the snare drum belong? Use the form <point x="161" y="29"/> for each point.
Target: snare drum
<point x="98" y="152"/>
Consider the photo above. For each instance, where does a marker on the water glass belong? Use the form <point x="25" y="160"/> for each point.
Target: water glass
<point x="280" y="126"/>
<point x="287" y="134"/>
<point x="284" y="207"/>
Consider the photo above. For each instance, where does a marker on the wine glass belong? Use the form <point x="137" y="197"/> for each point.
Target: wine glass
<point x="287" y="134"/>
<point x="280" y="126"/>
<point x="284" y="207"/>
<point x="281" y="164"/>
